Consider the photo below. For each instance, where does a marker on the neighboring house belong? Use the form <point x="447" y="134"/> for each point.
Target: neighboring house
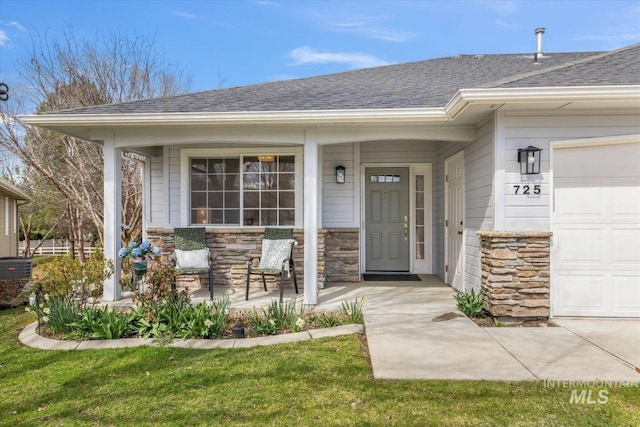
<point x="10" y="197"/>
<point x="430" y="157"/>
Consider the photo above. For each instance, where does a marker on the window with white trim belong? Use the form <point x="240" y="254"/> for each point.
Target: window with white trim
<point x="246" y="190"/>
<point x="15" y="217"/>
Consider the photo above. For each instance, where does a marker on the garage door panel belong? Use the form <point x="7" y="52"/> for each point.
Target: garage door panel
<point x="625" y="202"/>
<point x="581" y="246"/>
<point x="626" y="246"/>
<point x="625" y="294"/>
<point x="580" y="202"/>
<point x="581" y="293"/>
<point x="596" y="243"/>
<point x="604" y="161"/>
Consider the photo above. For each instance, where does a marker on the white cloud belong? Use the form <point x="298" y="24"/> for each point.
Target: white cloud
<point x="16" y="25"/>
<point x="501" y="7"/>
<point x="621" y="29"/>
<point x="367" y="27"/>
<point x="184" y="14"/>
<point x="4" y="38"/>
<point x="306" y="55"/>
<point x="507" y="25"/>
<point x="266" y="3"/>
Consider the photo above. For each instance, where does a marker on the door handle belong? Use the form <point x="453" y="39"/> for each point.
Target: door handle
<point x="460" y="232"/>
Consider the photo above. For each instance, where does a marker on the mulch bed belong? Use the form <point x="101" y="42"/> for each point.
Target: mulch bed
<point x="489" y="322"/>
<point x="9" y="289"/>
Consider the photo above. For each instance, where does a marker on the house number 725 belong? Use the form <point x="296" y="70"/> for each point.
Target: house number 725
<point x="526" y="189"/>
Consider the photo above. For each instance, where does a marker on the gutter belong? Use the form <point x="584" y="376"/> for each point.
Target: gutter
<point x="458" y="103"/>
<point x="244" y="117"/>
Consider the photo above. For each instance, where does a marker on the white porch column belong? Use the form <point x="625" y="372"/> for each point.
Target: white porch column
<point x="112" y="215"/>
<point x="311" y="197"/>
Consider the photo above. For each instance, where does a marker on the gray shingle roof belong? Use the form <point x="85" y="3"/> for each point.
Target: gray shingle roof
<point x="620" y="67"/>
<point x="423" y="84"/>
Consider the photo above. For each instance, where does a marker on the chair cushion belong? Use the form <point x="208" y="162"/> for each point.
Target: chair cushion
<point x="274" y="252"/>
<point x="192" y="260"/>
<point x="191" y="239"/>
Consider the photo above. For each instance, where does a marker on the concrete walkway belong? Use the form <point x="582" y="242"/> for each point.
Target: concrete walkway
<point x="415" y="332"/>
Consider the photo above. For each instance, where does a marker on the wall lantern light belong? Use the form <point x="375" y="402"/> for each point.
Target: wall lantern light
<point x="340" y="174"/>
<point x="529" y="159"/>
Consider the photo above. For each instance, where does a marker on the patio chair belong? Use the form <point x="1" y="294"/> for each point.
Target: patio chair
<point x="192" y="255"/>
<point x="276" y="258"/>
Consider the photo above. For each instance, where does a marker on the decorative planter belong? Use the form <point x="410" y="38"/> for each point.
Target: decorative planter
<point x="140" y="268"/>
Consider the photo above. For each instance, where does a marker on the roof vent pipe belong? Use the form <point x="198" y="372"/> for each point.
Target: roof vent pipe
<point x="538" y="32"/>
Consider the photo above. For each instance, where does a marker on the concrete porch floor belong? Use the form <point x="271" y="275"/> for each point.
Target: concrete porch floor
<point x="329" y="298"/>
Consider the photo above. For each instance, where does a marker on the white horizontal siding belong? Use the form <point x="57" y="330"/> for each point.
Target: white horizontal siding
<point x="479" y="205"/>
<point x="338" y="200"/>
<point x="398" y="152"/>
<point x="532" y="212"/>
<point x="156" y="191"/>
<point x="174" y="186"/>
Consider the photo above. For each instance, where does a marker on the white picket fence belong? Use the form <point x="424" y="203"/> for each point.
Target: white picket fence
<point x="54" y="247"/>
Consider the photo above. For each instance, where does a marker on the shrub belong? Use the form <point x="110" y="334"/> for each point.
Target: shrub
<point x="111" y="325"/>
<point x="94" y="271"/>
<point x="158" y="283"/>
<point x="145" y="324"/>
<point x="101" y="323"/>
<point x="206" y="319"/>
<point x="324" y="320"/>
<point x="273" y="317"/>
<point x="470" y="303"/>
<point x="57" y="277"/>
<point x="68" y="277"/>
<point x="59" y="313"/>
<point x="351" y="311"/>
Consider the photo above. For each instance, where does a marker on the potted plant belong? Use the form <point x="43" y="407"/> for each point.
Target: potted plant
<point x="140" y="254"/>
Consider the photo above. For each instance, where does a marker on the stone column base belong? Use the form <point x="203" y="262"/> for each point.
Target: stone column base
<point x="515" y="273"/>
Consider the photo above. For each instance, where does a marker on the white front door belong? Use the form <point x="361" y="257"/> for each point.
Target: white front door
<point x="454" y="220"/>
<point x="596" y="231"/>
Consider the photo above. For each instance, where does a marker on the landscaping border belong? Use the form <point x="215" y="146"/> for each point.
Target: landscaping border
<point x="30" y="338"/>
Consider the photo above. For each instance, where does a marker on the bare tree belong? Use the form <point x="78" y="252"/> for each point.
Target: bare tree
<point x="75" y="73"/>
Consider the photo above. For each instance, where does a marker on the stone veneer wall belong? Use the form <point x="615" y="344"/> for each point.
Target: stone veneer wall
<point x="338" y="254"/>
<point x="515" y="273"/>
<point x="231" y="248"/>
<point x="342" y="254"/>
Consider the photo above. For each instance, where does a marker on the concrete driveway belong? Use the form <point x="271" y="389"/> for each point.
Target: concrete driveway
<point x="415" y="332"/>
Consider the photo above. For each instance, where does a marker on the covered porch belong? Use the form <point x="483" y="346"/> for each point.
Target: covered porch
<point x="328" y="216"/>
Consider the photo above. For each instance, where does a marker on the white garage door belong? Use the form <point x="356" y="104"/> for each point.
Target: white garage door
<point x="596" y="249"/>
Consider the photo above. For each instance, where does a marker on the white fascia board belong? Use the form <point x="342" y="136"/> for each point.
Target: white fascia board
<point x="454" y="107"/>
<point x="15" y="192"/>
<point x="541" y="94"/>
<point x="249" y="117"/>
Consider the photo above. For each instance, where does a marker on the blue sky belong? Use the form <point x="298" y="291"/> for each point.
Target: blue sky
<point x="243" y="42"/>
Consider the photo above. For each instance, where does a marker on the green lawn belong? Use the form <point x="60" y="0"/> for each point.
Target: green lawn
<point x="320" y="382"/>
